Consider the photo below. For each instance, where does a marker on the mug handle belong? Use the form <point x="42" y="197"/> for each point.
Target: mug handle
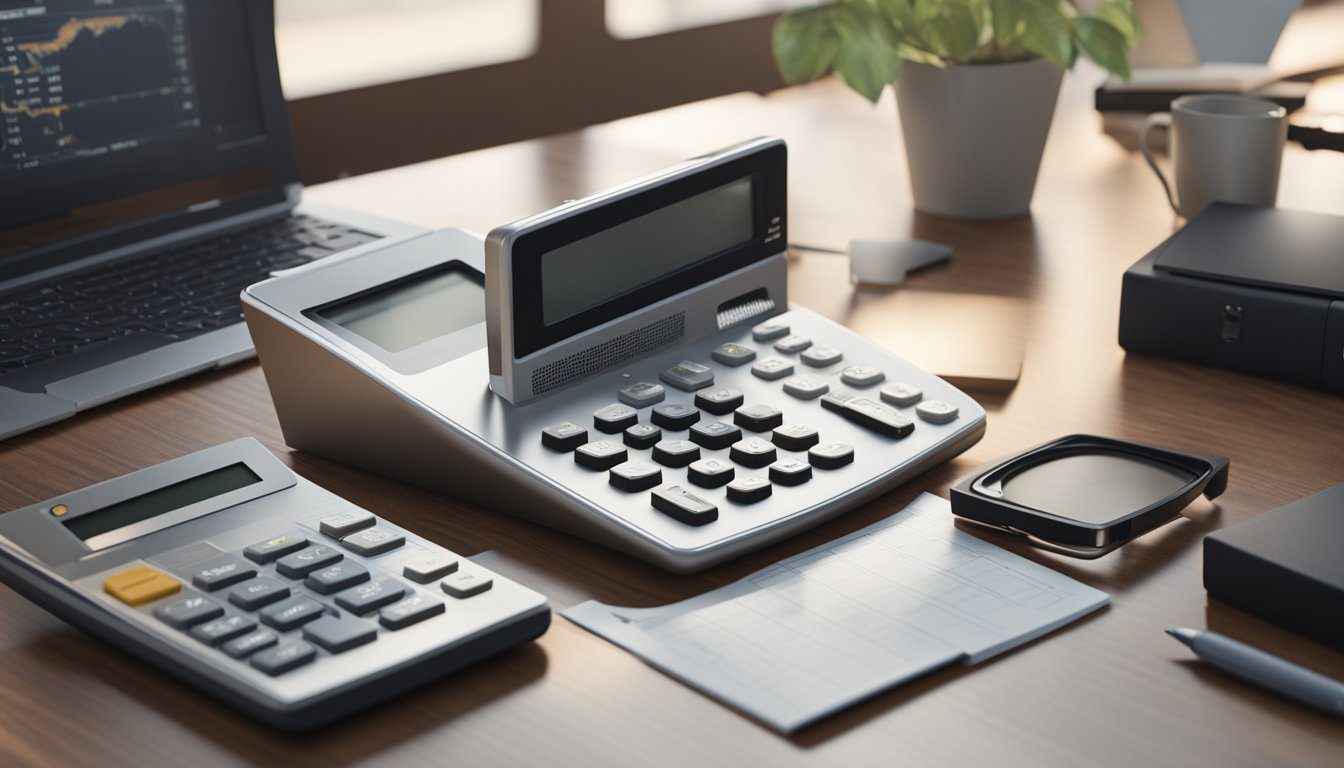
<point x="1157" y="120"/>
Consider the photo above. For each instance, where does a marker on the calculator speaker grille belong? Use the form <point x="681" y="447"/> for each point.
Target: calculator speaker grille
<point x="610" y="352"/>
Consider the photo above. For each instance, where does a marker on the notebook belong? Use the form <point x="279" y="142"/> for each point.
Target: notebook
<point x="822" y="630"/>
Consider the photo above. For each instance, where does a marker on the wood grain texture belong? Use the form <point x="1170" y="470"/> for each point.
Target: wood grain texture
<point x="1109" y="690"/>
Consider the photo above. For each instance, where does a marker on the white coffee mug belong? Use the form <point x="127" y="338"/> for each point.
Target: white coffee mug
<point x="1222" y="147"/>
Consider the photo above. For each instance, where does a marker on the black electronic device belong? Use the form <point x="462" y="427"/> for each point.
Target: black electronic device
<point x="1258" y="290"/>
<point x="1083" y="495"/>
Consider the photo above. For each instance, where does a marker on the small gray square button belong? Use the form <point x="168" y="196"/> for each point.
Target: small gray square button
<point x="792" y="345"/>
<point x="688" y="376"/>
<point x="343" y="524"/>
<point x="464" y="584"/>
<point x="423" y="570"/>
<point x="641" y="394"/>
<point x="733" y="354"/>
<point x="861" y="375"/>
<point x="806" y="387"/>
<point x="772" y="368"/>
<point x="373" y="541"/>
<point x="820" y="357"/>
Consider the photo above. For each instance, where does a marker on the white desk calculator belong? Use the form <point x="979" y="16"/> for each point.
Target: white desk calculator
<point x="624" y="367"/>
<point x="259" y="587"/>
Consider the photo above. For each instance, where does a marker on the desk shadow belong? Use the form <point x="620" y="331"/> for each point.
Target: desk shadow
<point x="360" y="737"/>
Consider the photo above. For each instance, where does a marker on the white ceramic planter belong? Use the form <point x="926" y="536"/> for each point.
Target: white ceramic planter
<point x="974" y="135"/>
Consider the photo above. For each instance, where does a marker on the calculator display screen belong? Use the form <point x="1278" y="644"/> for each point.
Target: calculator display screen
<point x="162" y="501"/>
<point x="423" y="307"/>
<point x="587" y="272"/>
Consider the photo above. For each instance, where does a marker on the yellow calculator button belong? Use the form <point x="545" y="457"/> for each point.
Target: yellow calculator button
<point x="140" y="585"/>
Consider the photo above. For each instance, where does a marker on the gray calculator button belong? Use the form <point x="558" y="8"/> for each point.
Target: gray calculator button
<point x="250" y="643"/>
<point x="790" y="472"/>
<point x="288" y="655"/>
<point x="830" y="455"/>
<point x="715" y="435"/>
<point x="835" y="401"/>
<point x="772" y="368"/>
<point x="770" y="330"/>
<point x="642" y="436"/>
<point x="710" y="473"/>
<point x="292" y="613"/>
<point x="749" y="490"/>
<point x="361" y="599"/>
<point x="688" y="376"/>
<point x="758" y="418"/>
<point x="635" y="475"/>
<point x="792" y="345"/>
<point x="373" y="541"/>
<point x="614" y="418"/>
<point x="861" y="375"/>
<point x="220" y="572"/>
<point x="257" y="593"/>
<point x="820" y="357"/>
<point x="464" y="584"/>
<point x="429" y="568"/>
<point x="304" y="562"/>
<point x="901" y="394"/>
<point x="601" y="455"/>
<point x="641" y="394"/>
<point x="806" y="387"/>
<point x="337" y="634"/>
<point x="334" y="578"/>
<point x="882" y="419"/>
<point x="675" y="416"/>
<point x="345" y="523"/>
<point x="675" y="453"/>
<point x="412" y="610"/>
<point x="188" y="611"/>
<point x="680" y="504"/>
<point x="753" y="452"/>
<point x="733" y="354"/>
<point x="564" y="436"/>
<point x="718" y="401"/>
<point x="795" y="437"/>
<point x="272" y="549"/>
<point x="219" y="630"/>
<point x="936" y="411"/>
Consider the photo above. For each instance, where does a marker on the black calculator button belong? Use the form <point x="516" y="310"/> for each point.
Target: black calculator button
<point x="635" y="475"/>
<point x="258" y="593"/>
<point x="714" y="435"/>
<point x="936" y="411"/>
<point x="304" y="562"/>
<point x="292" y="613"/>
<point x="412" y="610"/>
<point x="901" y="394"/>
<point x="790" y="472"/>
<point x="464" y="584"/>
<point x="718" y="401"/>
<point x="792" y="345"/>
<point x="820" y="357"/>
<point x="675" y="453"/>
<point x="733" y="354"/>
<point x="753" y="452"/>
<point x="861" y="375"/>
<point x="188" y="611"/>
<point x="423" y="570"/>
<point x="345" y="523"/>
<point x="770" y="330"/>
<point x="678" y="503"/>
<point x="373" y="541"/>
<point x="602" y="454"/>
<point x="835" y="401"/>
<point x="226" y="628"/>
<point x="710" y="473"/>
<point x="220" y="572"/>
<point x="806" y="387"/>
<point x="772" y="368"/>
<point x="337" y="634"/>
<point x="749" y="490"/>
<point x="688" y="376"/>
<point x="758" y="418"/>
<point x="336" y="577"/>
<point x="564" y="437"/>
<point x="614" y="418"/>
<point x="272" y="549"/>
<point x="642" y="436"/>
<point x="250" y="643"/>
<point x="288" y="655"/>
<point x="675" y="416"/>
<point x="379" y="592"/>
<point x="641" y="394"/>
<point x="882" y="419"/>
<point x="830" y="455"/>
<point x="795" y="437"/>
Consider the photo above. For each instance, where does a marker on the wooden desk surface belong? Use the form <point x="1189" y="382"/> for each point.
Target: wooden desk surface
<point x="1111" y="689"/>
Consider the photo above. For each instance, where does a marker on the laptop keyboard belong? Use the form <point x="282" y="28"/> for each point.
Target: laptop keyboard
<point x="177" y="293"/>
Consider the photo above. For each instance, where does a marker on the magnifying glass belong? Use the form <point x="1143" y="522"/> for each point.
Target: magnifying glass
<point x="1083" y="495"/>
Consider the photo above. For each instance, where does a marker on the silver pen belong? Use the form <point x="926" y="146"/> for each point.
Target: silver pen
<point x="1265" y="669"/>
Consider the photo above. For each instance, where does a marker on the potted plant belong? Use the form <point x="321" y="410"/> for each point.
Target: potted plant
<point x="976" y="82"/>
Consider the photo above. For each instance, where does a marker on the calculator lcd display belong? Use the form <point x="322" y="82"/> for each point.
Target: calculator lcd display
<point x="637" y="252"/>
<point x="162" y="501"/>
<point x="421" y="308"/>
<point x="1095" y="488"/>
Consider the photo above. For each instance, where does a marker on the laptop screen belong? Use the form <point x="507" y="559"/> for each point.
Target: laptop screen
<point x="125" y="119"/>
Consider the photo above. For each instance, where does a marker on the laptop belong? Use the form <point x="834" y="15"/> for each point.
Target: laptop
<point x="147" y="176"/>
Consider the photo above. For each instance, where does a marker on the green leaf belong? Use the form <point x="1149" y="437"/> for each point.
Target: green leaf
<point x="1121" y="15"/>
<point x="899" y="12"/>
<point x="805" y="44"/>
<point x="1045" y="31"/>
<point x="869" y="54"/>
<point x="1005" y="21"/>
<point x="1103" y="44"/>
<point x="949" y="28"/>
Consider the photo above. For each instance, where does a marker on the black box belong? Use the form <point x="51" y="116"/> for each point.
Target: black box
<point x="1258" y="290"/>
<point x="1285" y="566"/>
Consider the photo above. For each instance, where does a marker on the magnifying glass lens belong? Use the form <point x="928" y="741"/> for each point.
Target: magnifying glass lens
<point x="1094" y="488"/>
